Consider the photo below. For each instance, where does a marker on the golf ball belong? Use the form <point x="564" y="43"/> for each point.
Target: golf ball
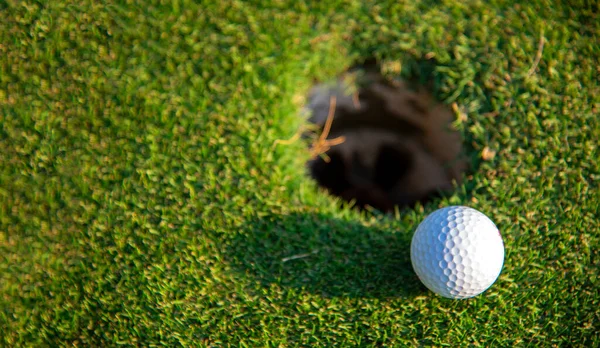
<point x="457" y="252"/>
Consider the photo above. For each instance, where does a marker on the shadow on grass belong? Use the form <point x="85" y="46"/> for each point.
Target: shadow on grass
<point x="326" y="256"/>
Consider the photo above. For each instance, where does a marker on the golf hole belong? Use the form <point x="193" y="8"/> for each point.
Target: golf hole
<point x="387" y="143"/>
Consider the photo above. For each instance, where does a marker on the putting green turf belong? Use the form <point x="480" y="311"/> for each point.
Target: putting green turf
<point x="142" y="201"/>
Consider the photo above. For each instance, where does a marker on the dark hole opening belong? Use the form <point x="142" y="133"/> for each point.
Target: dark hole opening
<point x="398" y="149"/>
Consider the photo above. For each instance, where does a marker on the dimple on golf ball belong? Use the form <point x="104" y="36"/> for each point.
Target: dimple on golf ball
<point x="457" y="252"/>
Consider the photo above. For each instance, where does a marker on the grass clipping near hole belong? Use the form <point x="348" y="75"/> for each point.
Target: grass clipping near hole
<point x="321" y="144"/>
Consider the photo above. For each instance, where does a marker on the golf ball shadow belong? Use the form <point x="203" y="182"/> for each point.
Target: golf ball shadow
<point x="326" y="256"/>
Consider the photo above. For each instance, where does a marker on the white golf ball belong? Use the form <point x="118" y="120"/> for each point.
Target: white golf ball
<point x="457" y="252"/>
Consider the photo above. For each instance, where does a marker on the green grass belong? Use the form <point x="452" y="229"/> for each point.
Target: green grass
<point x="142" y="201"/>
